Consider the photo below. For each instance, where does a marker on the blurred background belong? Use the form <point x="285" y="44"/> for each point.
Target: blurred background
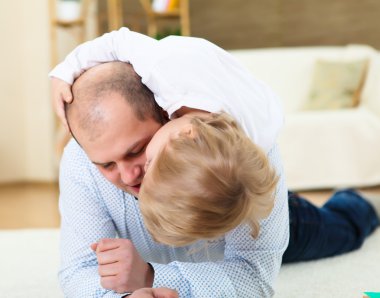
<point x="37" y="34"/>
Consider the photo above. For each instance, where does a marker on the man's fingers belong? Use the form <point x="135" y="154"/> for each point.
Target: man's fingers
<point x="108" y="257"/>
<point x="108" y="282"/>
<point x="155" y="293"/>
<point x="110" y="243"/>
<point x="164" y="293"/>
<point x="108" y="270"/>
<point x="94" y="246"/>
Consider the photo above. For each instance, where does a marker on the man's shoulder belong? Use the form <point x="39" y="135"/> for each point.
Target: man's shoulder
<point x="74" y="159"/>
<point x="77" y="168"/>
<point x="73" y="150"/>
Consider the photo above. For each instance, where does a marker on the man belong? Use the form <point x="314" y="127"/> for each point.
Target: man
<point x="92" y="208"/>
<point x="113" y="133"/>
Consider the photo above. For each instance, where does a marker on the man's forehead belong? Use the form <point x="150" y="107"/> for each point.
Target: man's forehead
<point x="115" y="147"/>
<point x="105" y="154"/>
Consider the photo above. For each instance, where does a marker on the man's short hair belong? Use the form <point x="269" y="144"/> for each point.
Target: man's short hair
<point x="96" y="84"/>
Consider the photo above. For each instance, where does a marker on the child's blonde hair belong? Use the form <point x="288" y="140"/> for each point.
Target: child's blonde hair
<point x="205" y="182"/>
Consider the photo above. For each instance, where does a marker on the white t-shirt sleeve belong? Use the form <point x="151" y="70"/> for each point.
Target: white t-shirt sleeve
<point x="195" y="73"/>
<point x="180" y="78"/>
<point x="122" y="45"/>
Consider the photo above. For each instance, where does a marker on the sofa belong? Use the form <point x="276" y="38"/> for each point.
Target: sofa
<point x="323" y="148"/>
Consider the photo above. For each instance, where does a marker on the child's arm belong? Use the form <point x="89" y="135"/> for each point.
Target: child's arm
<point x="122" y="45"/>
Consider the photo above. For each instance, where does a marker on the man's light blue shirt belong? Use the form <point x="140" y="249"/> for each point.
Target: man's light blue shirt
<point x="234" y="266"/>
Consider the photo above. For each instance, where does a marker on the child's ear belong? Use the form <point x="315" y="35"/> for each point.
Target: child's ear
<point x="188" y="130"/>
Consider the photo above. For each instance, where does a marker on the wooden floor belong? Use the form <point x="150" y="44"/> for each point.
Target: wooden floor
<point x="36" y="205"/>
<point x="29" y="206"/>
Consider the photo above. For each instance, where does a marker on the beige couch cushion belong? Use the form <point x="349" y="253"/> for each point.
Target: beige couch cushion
<point x="336" y="84"/>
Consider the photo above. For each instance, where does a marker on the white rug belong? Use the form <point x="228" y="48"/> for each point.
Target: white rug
<point x="29" y="261"/>
<point x="344" y="276"/>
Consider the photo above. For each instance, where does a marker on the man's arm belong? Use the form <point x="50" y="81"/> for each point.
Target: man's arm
<point x="85" y="220"/>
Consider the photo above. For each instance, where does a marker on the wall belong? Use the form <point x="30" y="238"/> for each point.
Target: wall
<point x="273" y="23"/>
<point x="270" y="23"/>
<point x="26" y="122"/>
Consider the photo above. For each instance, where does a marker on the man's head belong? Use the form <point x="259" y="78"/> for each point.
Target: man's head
<point x="113" y="117"/>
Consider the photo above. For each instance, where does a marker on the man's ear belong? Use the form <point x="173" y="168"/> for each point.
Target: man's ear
<point x="165" y="116"/>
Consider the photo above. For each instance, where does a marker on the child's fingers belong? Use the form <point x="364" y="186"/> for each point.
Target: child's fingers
<point x="60" y="111"/>
<point x="61" y="93"/>
<point x="66" y="94"/>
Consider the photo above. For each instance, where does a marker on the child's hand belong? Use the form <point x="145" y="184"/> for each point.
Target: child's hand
<point x="61" y="92"/>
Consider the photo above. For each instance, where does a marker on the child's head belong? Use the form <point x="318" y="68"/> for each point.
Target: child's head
<point x="206" y="179"/>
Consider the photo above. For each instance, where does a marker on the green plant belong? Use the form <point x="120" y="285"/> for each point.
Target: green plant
<point x="167" y="32"/>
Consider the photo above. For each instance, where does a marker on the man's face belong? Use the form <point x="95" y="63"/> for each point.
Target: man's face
<point x="119" y="151"/>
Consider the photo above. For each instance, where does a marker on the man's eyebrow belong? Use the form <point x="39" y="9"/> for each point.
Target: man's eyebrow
<point x="128" y="151"/>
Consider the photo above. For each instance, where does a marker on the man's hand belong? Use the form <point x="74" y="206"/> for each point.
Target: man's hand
<point x="61" y="92"/>
<point x="154" y="293"/>
<point x="121" y="267"/>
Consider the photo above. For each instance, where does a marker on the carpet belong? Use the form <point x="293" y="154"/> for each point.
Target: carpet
<point x="344" y="276"/>
<point x="29" y="261"/>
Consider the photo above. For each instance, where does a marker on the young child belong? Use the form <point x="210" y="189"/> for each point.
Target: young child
<point x="205" y="177"/>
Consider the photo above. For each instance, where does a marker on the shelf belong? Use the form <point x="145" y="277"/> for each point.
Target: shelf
<point x="181" y="13"/>
<point x="167" y="14"/>
<point x="78" y="22"/>
<point x="57" y="24"/>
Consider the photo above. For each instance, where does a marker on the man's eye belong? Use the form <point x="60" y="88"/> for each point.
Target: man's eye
<point x="107" y="166"/>
<point x="138" y="152"/>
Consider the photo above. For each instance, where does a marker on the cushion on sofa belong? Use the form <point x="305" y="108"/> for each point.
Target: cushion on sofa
<point x="336" y="84"/>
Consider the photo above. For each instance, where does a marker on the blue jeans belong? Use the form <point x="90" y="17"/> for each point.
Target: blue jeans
<point x="339" y="226"/>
